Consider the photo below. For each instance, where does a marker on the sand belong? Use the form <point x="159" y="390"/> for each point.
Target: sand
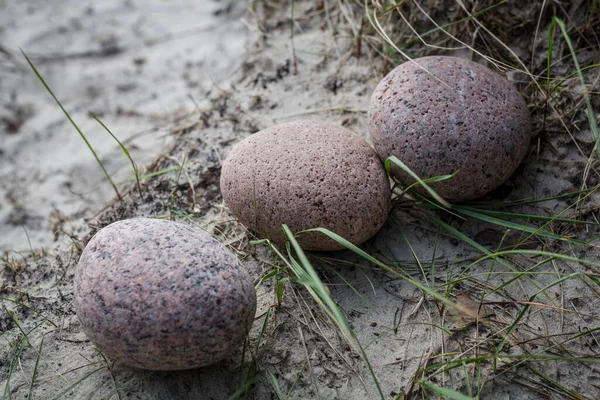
<point x="140" y="68"/>
<point x="247" y="75"/>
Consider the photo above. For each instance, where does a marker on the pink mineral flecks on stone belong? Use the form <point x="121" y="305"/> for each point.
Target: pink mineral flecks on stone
<point x="440" y="115"/>
<point x="307" y="174"/>
<point x="160" y="295"/>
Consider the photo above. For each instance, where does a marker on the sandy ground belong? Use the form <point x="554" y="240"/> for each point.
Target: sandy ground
<point x="316" y="75"/>
<point x="138" y="66"/>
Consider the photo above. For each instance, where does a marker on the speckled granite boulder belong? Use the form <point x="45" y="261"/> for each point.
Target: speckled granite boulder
<point x="461" y="116"/>
<point x="161" y="295"/>
<point x="307" y="174"/>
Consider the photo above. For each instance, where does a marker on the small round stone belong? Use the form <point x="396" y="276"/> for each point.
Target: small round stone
<point x="160" y="295"/>
<point x="307" y="174"/>
<point x="440" y="115"/>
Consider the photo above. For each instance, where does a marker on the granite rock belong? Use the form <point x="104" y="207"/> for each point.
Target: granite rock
<point x="440" y="115"/>
<point x="160" y="295"/>
<point x="307" y="174"/>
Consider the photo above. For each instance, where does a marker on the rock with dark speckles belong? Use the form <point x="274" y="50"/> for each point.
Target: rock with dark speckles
<point x="307" y="174"/>
<point x="440" y="115"/>
<point x="161" y="295"/>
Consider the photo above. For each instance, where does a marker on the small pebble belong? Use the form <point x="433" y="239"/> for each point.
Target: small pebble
<point x="307" y="174"/>
<point x="160" y="295"/>
<point x="440" y="115"/>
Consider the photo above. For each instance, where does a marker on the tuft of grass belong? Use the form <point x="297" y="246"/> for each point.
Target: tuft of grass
<point x="298" y="263"/>
<point x="509" y="330"/>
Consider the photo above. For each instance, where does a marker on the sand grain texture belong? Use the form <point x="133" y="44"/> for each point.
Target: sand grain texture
<point x="408" y="336"/>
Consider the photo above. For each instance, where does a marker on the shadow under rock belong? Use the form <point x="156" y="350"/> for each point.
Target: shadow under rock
<point x="218" y="381"/>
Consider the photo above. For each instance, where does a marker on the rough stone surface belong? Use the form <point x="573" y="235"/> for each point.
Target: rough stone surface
<point x="161" y="295"/>
<point x="307" y="174"/>
<point x="445" y="115"/>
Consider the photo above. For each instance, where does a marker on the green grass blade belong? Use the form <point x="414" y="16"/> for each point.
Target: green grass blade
<point x="275" y="385"/>
<point x="355" y="291"/>
<point x="35" y="368"/>
<point x="572" y="74"/>
<point x="514" y="325"/>
<point x="433" y="179"/>
<point x="590" y="109"/>
<point x="266" y="277"/>
<point x="404" y="167"/>
<point x="30" y="309"/>
<point x="592" y="264"/>
<point x="11" y="368"/>
<point x="553" y="383"/>
<point x="435" y="205"/>
<point x="513" y="225"/>
<point x="263" y="329"/>
<point x="451" y="394"/>
<point x="487" y="204"/>
<point x="343" y="242"/>
<point x="163" y="171"/>
<point x="308" y="276"/>
<point x="136" y="170"/>
<point x="242" y="390"/>
<point x="41" y="79"/>
<point x="77" y="382"/>
<point x="496" y="256"/>
<point x="412" y="250"/>
<point x="532" y="217"/>
<point x="321" y="295"/>
<point x="293" y="387"/>
<point x="453" y="364"/>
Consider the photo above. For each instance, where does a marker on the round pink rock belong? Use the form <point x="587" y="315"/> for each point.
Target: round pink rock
<point x="307" y="174"/>
<point x="161" y="295"/>
<point x="440" y="115"/>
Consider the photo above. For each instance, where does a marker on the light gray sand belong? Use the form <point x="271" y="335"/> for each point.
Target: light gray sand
<point x="300" y="351"/>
